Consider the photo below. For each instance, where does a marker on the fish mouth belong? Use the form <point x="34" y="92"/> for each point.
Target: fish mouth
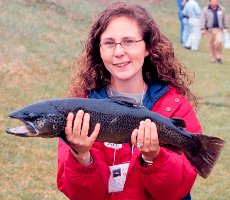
<point x="26" y="130"/>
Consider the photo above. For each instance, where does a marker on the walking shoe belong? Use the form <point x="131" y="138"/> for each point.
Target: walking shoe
<point x="189" y="48"/>
<point x="219" y="60"/>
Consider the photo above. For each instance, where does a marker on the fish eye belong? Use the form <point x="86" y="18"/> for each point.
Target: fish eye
<point x="32" y="115"/>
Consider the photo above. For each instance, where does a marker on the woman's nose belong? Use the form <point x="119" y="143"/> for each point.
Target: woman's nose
<point x="119" y="50"/>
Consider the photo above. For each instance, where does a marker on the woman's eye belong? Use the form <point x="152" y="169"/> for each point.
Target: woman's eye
<point x="128" y="42"/>
<point x="109" y="43"/>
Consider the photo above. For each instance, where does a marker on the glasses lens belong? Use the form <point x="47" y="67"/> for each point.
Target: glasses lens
<point x="108" y="45"/>
<point x="128" y="43"/>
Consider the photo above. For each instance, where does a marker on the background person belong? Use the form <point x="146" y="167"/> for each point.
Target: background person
<point x="127" y="55"/>
<point x="214" y="21"/>
<point x="180" y="6"/>
<point x="192" y="11"/>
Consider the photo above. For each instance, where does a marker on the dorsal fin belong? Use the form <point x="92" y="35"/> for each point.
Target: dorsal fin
<point x="180" y="123"/>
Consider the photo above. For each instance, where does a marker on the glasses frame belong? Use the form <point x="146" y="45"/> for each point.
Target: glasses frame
<point x="116" y="43"/>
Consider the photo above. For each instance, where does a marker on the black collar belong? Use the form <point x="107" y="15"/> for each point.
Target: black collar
<point x="217" y="8"/>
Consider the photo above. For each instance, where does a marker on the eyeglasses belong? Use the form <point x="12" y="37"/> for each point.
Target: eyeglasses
<point x="126" y="44"/>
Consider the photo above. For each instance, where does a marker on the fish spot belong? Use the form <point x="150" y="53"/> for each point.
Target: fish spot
<point x="58" y="124"/>
<point x="40" y="122"/>
<point x="55" y="119"/>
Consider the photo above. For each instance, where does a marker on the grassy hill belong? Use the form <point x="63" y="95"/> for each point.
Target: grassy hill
<point x="39" y="41"/>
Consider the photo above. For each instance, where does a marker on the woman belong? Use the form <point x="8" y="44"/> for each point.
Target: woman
<point x="127" y="55"/>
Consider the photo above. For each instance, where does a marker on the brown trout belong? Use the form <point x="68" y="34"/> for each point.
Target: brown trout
<point x="118" y="119"/>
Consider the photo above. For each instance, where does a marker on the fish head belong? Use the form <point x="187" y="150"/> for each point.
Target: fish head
<point x="40" y="120"/>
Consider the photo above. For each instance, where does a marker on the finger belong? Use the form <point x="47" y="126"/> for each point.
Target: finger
<point x="147" y="133"/>
<point x="154" y="140"/>
<point x="85" y="125"/>
<point x="69" y="123"/>
<point x="134" y="137"/>
<point x="78" y="122"/>
<point x="95" y="132"/>
<point x="140" y="135"/>
<point x="154" y="135"/>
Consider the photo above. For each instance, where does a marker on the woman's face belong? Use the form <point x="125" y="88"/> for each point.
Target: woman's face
<point x="124" y="64"/>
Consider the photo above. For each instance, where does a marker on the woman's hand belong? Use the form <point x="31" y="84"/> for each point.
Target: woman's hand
<point x="146" y="139"/>
<point x="77" y="135"/>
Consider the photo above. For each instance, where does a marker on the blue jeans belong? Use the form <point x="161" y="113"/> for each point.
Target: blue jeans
<point x="180" y="16"/>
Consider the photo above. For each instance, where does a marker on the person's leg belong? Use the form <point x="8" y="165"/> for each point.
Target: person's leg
<point x="189" y="41"/>
<point x="181" y="26"/>
<point x="211" y="45"/>
<point x="218" y="44"/>
<point x="196" y="35"/>
<point x="186" y="31"/>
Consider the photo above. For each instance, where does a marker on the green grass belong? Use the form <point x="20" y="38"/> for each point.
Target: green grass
<point x="39" y="41"/>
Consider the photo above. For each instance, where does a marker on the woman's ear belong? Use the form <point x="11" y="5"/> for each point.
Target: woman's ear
<point x="146" y="53"/>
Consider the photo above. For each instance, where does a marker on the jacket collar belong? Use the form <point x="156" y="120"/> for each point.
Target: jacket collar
<point x="155" y="91"/>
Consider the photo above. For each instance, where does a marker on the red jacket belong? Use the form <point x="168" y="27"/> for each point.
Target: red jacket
<point x="170" y="177"/>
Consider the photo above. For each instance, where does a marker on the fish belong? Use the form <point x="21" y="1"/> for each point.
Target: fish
<point x="118" y="118"/>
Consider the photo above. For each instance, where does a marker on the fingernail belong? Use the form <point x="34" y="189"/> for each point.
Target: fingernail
<point x="80" y="112"/>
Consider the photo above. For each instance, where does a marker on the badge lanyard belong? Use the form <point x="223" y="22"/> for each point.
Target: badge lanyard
<point x="118" y="174"/>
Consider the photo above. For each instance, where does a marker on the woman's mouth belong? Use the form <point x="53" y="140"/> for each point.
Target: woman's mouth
<point x="122" y="64"/>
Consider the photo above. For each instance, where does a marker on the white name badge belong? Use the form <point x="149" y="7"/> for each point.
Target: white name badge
<point x="117" y="177"/>
<point x="113" y="145"/>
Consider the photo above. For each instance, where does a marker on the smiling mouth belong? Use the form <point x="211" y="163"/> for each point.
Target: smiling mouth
<point x="121" y="64"/>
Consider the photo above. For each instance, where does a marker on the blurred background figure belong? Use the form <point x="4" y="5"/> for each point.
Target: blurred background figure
<point x="192" y="11"/>
<point x="184" y="27"/>
<point x="214" y="23"/>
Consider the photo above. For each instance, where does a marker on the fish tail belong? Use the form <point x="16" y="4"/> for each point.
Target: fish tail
<point x="207" y="155"/>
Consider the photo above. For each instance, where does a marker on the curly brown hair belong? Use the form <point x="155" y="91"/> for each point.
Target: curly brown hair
<point x="161" y="65"/>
